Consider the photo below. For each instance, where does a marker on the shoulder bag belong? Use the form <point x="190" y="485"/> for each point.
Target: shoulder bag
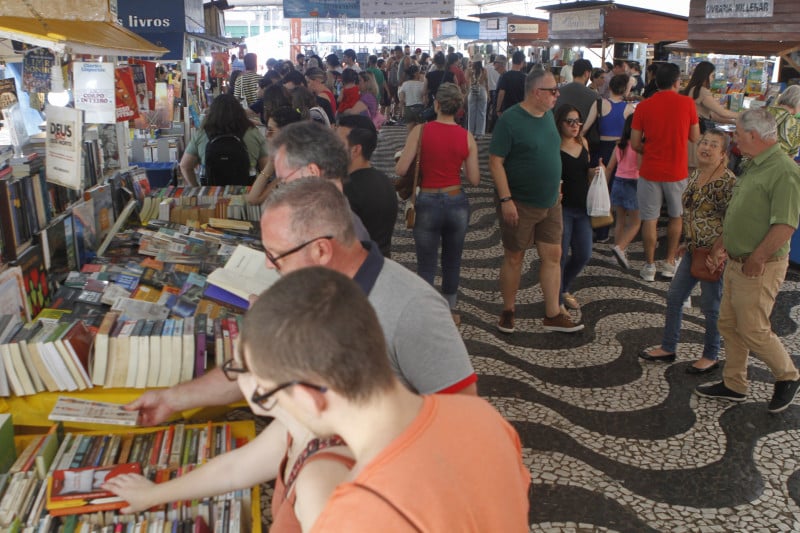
<point x="699" y="269"/>
<point x="411" y="213"/>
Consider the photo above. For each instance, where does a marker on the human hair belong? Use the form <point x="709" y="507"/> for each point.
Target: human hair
<point x="534" y="79"/>
<point x="411" y="72"/>
<point x="316" y="325"/>
<point x="369" y="78"/>
<point x="439" y="59"/>
<point x="250" y="61"/>
<point x="597" y="73"/>
<point x="619" y="63"/>
<point x="272" y="63"/>
<point x="699" y="79"/>
<point x="450" y="98"/>
<point x="316" y="207"/>
<point x="721" y="135"/>
<point x="561" y="115"/>
<point x="309" y="142"/>
<point x="626" y="133"/>
<point x="316" y="73"/>
<point x="349" y="53"/>
<point x="652" y="68"/>
<point x="452" y="59"/>
<point x="477" y="69"/>
<point x="761" y="122"/>
<point x="226" y="116"/>
<point x="790" y="97"/>
<point x="608" y="66"/>
<point x="398" y="48"/>
<point x="518" y="57"/>
<point x="619" y="84"/>
<point x="666" y="75"/>
<point x="161" y="70"/>
<point x="283" y="116"/>
<point x="581" y="67"/>
<point x="349" y="75"/>
<point x="294" y="77"/>
<point x="362" y="133"/>
<point x="372" y="60"/>
<point x="303" y="100"/>
<point x="271" y="77"/>
<point x="274" y="97"/>
<point x="300" y="56"/>
<point x="332" y="60"/>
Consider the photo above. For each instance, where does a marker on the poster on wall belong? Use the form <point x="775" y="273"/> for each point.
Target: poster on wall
<point x="36" y="70"/>
<point x="303" y="9"/>
<point x="125" y="95"/>
<point x="150" y="80"/>
<point x="220" y="65"/>
<point x="64" y="127"/>
<point x="409" y="8"/>
<point x="94" y="91"/>
<point x="140" y="86"/>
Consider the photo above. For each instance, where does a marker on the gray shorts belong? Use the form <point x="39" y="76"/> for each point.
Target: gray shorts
<point x="651" y="194"/>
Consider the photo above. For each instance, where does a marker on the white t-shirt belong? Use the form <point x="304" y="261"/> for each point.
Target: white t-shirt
<point x="412" y="91"/>
<point x="491" y="77"/>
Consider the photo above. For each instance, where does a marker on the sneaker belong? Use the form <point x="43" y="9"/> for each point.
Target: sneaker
<point x="562" y="323"/>
<point x="506" y="323"/>
<point x="570" y="301"/>
<point x="784" y="395"/>
<point x="668" y="269"/>
<point x="621" y="256"/>
<point x="648" y="272"/>
<point x="719" y="390"/>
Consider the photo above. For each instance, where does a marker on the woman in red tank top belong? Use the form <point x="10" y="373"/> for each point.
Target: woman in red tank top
<point x="442" y="210"/>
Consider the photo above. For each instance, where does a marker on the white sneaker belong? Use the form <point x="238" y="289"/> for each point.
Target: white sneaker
<point x="648" y="272"/>
<point x="621" y="257"/>
<point x="668" y="269"/>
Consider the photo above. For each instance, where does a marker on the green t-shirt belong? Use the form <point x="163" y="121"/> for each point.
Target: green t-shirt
<point x="255" y="143"/>
<point x="531" y="148"/>
<point x="379" y="79"/>
<point x="767" y="193"/>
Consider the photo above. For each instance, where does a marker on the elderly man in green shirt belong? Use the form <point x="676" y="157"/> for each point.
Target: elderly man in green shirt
<point x="762" y="215"/>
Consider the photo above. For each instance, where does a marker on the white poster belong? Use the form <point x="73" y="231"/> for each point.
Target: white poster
<point x="407" y="9"/>
<point x="719" y="9"/>
<point x="64" y="127"/>
<point x="94" y="92"/>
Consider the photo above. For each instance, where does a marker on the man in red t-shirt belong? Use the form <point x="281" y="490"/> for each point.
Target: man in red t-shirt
<point x="663" y="125"/>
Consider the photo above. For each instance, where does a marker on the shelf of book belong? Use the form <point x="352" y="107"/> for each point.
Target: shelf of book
<point x="32" y="411"/>
<point x="240" y="431"/>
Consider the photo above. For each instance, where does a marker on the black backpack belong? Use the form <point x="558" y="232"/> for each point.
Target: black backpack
<point x="227" y="161"/>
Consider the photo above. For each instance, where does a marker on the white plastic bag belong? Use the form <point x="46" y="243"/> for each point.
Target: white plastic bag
<point x="598" y="202"/>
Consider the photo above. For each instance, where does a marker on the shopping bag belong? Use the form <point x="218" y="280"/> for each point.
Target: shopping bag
<point x="598" y="202"/>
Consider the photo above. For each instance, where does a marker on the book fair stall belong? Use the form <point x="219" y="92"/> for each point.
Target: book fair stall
<point x="110" y="283"/>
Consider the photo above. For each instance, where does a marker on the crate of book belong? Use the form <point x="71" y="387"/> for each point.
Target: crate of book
<point x="56" y="481"/>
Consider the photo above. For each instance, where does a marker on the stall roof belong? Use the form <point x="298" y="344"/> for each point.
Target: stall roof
<point x="516" y="17"/>
<point x="80" y="37"/>
<point x="600" y="3"/>
<point x="748" y="48"/>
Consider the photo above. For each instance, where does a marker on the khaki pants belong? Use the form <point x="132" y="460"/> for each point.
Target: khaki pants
<point x="744" y="324"/>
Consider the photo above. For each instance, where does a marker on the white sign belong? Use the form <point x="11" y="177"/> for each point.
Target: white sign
<point x="94" y="92"/>
<point x="407" y="9"/>
<point x="723" y="9"/>
<point x="523" y="28"/>
<point x="64" y="127"/>
<point x="585" y="19"/>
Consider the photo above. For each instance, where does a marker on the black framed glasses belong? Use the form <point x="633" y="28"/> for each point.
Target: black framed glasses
<point x="275" y="258"/>
<point x="232" y="370"/>
<point x="268" y="400"/>
<point x="552" y="90"/>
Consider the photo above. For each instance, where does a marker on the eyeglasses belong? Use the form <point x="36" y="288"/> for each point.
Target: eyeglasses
<point x="231" y="371"/>
<point x="275" y="258"/>
<point x="263" y="400"/>
<point x="573" y="121"/>
<point x="292" y="173"/>
<point x="552" y="90"/>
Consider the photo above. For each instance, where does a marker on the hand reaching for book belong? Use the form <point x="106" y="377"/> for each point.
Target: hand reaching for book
<point x="153" y="406"/>
<point x="134" y="489"/>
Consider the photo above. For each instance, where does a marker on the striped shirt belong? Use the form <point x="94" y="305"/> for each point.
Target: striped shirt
<point x="247" y="87"/>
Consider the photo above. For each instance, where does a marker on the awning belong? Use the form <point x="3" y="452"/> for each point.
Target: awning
<point x="747" y="48"/>
<point x="79" y="37"/>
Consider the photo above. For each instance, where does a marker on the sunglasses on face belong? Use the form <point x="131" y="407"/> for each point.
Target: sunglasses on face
<point x="552" y="90"/>
<point x="573" y="121"/>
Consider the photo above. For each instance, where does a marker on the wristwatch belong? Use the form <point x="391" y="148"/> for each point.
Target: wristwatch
<point x="505" y="199"/>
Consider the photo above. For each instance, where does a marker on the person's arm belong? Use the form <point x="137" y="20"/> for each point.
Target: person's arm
<point x="590" y="118"/>
<point x="718" y="112"/>
<point x="256" y="462"/>
<point x="776" y="237"/>
<point x="211" y="389"/>
<point x="612" y="165"/>
<point x="500" y="178"/>
<point x="694" y="133"/>
<point x="262" y="186"/>
<point x="358" y="107"/>
<point x="409" y="152"/>
<point x="425" y="96"/>
<point x="188" y="164"/>
<point x="637" y="141"/>
<point x="315" y="483"/>
<point x="501" y="94"/>
<point x="471" y="165"/>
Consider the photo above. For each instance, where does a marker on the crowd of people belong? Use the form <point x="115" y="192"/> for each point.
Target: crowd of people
<point x="359" y="360"/>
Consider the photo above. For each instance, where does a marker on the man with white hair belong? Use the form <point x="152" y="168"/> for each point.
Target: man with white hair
<point x="761" y="217"/>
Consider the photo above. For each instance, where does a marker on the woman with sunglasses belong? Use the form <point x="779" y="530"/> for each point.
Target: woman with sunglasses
<point x="576" y="175"/>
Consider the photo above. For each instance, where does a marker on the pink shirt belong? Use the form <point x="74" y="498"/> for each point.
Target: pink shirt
<point x="627" y="163"/>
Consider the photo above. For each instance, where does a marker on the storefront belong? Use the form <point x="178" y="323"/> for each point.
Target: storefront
<point x="454" y="32"/>
<point x="504" y="32"/>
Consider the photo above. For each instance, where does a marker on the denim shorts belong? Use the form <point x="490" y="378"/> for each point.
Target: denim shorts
<point x="623" y="194"/>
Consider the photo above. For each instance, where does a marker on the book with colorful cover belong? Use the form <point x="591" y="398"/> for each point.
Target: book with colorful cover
<point x="79" y="490"/>
<point x="69" y="409"/>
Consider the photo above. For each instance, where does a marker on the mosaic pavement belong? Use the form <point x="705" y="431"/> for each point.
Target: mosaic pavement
<point x="615" y="443"/>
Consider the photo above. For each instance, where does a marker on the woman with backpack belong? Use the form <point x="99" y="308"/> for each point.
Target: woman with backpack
<point x="227" y="145"/>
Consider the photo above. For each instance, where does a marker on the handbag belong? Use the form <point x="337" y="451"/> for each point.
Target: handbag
<point x="411" y="213"/>
<point x="700" y="270"/>
<point x="602" y="221"/>
<point x="405" y="184"/>
<point x="593" y="135"/>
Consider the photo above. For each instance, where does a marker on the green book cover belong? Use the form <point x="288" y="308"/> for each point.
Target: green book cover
<point x="8" y="452"/>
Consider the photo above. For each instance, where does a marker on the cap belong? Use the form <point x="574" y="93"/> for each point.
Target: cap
<point x="500" y="59"/>
<point x="418" y="51"/>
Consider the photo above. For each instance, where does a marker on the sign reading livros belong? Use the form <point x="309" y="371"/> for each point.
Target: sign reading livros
<point x="717" y="9"/>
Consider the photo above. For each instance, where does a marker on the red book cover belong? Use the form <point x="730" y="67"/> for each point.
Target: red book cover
<point x="125" y="94"/>
<point x="78" y="490"/>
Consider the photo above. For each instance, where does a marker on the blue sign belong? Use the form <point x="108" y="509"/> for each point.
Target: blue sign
<point x="151" y="16"/>
<point x="303" y="9"/>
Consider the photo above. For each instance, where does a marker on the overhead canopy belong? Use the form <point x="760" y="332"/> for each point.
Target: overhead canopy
<point x="79" y="37"/>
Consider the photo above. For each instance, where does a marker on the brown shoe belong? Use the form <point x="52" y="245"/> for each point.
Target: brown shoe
<point x="561" y="323"/>
<point x="506" y="323"/>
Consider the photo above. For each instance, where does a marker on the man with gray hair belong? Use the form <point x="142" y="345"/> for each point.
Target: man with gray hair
<point x="761" y="217"/>
<point x="525" y="163"/>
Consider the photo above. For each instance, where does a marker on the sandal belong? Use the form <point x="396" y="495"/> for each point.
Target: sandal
<point x="570" y="301"/>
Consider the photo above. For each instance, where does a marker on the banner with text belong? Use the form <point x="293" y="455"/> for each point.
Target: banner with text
<point x="719" y="9"/>
<point x="94" y="91"/>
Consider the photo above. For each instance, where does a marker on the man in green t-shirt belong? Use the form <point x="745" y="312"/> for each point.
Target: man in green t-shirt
<point x="372" y="66"/>
<point x="525" y="162"/>
<point x="762" y="215"/>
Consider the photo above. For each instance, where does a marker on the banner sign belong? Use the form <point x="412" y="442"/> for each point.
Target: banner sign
<point x="719" y="9"/>
<point x="523" y="28"/>
<point x="303" y="9"/>
<point x="407" y="9"/>
<point x="63" y="146"/>
<point x="36" y="69"/>
<point x="94" y="91"/>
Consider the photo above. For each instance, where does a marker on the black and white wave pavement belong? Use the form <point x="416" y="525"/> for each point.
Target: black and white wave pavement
<point x="615" y="443"/>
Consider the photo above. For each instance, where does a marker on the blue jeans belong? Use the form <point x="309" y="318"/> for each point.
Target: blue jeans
<point x="441" y="218"/>
<point x="680" y="289"/>
<point x="576" y="244"/>
<point x="476" y="114"/>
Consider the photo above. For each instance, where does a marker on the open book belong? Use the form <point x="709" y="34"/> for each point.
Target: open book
<point x="244" y="274"/>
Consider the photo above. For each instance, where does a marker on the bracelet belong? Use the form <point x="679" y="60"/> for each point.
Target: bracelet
<point x="505" y="199"/>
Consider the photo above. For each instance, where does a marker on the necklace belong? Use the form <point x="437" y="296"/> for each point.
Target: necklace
<point x="702" y="182"/>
